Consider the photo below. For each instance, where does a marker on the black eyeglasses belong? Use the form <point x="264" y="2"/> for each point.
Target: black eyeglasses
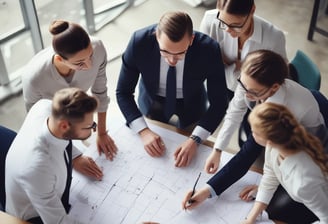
<point x="250" y="92"/>
<point x="93" y="126"/>
<point x="237" y="28"/>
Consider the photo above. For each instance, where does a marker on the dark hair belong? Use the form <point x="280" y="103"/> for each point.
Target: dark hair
<point x="72" y="104"/>
<point x="175" y="25"/>
<point x="266" y="67"/>
<point x="235" y="7"/>
<point x="68" y="38"/>
<point x="277" y="124"/>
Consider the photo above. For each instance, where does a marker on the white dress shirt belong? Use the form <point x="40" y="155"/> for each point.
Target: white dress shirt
<point x="295" y="97"/>
<point x="265" y="36"/>
<point x="41" y="79"/>
<point x="300" y="176"/>
<point x="36" y="171"/>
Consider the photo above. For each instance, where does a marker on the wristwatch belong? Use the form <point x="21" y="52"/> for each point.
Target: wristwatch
<point x="196" y="138"/>
<point x="218" y="150"/>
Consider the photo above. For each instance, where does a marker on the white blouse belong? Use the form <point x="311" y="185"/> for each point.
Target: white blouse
<point x="300" y="176"/>
<point x="265" y="36"/>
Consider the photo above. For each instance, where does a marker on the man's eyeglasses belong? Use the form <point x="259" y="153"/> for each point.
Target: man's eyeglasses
<point x="237" y="28"/>
<point x="252" y="93"/>
<point x="179" y="55"/>
<point x="93" y="127"/>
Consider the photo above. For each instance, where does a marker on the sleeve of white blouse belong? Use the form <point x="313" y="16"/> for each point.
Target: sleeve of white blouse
<point x="269" y="182"/>
<point x="205" y="24"/>
<point x="31" y="90"/>
<point x="280" y="45"/>
<point x="231" y="75"/>
<point x="99" y="88"/>
<point x="234" y="115"/>
<point x="314" y="192"/>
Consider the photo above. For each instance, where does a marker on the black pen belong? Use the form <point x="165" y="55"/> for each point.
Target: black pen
<point x="190" y="201"/>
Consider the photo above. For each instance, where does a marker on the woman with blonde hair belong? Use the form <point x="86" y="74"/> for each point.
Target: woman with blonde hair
<point x="295" y="159"/>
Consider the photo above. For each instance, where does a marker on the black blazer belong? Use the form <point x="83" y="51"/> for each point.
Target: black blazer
<point x="203" y="65"/>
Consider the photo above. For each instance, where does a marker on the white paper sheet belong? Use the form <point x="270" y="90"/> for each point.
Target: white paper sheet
<point x="137" y="187"/>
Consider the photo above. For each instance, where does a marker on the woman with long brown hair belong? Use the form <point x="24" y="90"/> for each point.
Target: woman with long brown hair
<point x="294" y="158"/>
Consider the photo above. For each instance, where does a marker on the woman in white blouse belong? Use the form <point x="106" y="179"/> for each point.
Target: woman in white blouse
<point x="263" y="79"/>
<point x="293" y="158"/>
<point x="239" y="31"/>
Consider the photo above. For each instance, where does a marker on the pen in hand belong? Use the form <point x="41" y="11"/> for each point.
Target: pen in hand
<point x="190" y="201"/>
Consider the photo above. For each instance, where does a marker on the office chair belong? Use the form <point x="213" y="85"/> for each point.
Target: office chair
<point x="6" y="138"/>
<point x="323" y="104"/>
<point x="306" y="71"/>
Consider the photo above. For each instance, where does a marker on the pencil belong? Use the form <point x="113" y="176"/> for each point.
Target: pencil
<point x="190" y="201"/>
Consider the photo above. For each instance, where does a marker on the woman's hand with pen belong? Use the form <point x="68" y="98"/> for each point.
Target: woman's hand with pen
<point x="191" y="200"/>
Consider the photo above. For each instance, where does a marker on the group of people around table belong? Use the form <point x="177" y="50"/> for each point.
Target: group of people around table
<point x="236" y="64"/>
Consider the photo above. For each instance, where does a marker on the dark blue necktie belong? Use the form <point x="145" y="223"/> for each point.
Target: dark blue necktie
<point x="68" y="161"/>
<point x="171" y="89"/>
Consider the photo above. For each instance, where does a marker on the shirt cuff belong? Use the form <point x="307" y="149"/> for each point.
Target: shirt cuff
<point x="201" y="132"/>
<point x="75" y="152"/>
<point x="138" y="124"/>
<point x="264" y="197"/>
<point x="212" y="191"/>
<point x="218" y="145"/>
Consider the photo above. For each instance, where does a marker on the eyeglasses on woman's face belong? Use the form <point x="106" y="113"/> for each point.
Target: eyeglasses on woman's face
<point x="235" y="27"/>
<point x="251" y="92"/>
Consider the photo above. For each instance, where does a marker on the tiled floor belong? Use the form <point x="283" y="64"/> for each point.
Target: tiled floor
<point x="292" y="16"/>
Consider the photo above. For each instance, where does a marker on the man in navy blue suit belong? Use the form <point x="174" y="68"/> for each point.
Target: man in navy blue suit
<point x="199" y="92"/>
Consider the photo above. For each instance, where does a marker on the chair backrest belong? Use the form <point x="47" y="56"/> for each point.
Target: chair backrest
<point x="323" y="104"/>
<point x="308" y="73"/>
<point x="6" y="138"/>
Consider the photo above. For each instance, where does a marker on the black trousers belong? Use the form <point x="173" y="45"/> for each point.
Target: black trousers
<point x="156" y="112"/>
<point x="35" y="220"/>
<point x="283" y="208"/>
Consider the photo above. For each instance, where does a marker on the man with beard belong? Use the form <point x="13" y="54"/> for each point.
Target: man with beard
<point x="39" y="161"/>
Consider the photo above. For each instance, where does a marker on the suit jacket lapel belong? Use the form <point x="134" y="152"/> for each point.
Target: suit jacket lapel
<point x="152" y="74"/>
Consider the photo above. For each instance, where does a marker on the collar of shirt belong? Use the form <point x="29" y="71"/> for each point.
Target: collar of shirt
<point x="164" y="66"/>
<point x="58" y="143"/>
<point x="255" y="37"/>
<point x="257" y="31"/>
<point x="279" y="97"/>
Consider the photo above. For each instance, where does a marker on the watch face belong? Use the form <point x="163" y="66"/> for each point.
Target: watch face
<point x="196" y="138"/>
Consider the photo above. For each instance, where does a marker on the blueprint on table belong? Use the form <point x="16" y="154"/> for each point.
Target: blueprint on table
<point x="137" y="187"/>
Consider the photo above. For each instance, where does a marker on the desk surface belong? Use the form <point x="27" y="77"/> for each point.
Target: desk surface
<point x="185" y="133"/>
<point x="8" y="219"/>
<point x="87" y="194"/>
<point x="178" y="130"/>
<point x="137" y="187"/>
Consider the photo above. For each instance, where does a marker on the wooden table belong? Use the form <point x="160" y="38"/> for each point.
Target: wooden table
<point x="8" y="219"/>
